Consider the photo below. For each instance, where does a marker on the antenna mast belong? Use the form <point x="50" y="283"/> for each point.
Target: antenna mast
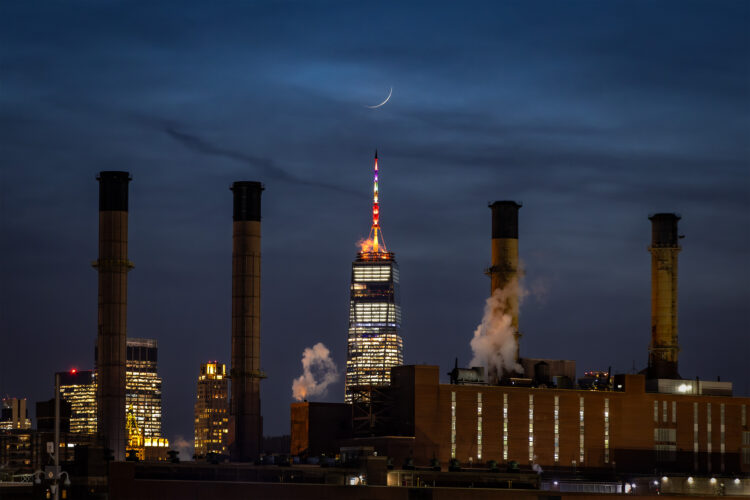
<point x="375" y="209"/>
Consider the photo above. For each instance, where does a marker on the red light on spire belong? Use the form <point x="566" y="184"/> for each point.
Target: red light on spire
<point x="374" y="245"/>
<point x="73" y="371"/>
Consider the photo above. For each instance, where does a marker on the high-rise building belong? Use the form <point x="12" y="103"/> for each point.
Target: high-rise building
<point x="14" y="414"/>
<point x="374" y="344"/>
<point x="143" y="385"/>
<point x="212" y="410"/>
<point x="78" y="388"/>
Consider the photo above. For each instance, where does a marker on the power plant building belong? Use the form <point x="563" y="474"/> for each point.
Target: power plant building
<point x="374" y="345"/>
<point x="212" y="410"/>
<point x="653" y="422"/>
<point x="627" y="428"/>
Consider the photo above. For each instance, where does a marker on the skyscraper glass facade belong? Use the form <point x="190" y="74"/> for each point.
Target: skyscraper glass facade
<point x="374" y="343"/>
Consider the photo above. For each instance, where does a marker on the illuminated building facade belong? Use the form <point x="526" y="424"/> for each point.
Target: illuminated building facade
<point x="78" y="387"/>
<point x="374" y="344"/>
<point x="626" y="426"/>
<point x="143" y="385"/>
<point x="144" y="448"/>
<point x="14" y="414"/>
<point x="212" y="410"/>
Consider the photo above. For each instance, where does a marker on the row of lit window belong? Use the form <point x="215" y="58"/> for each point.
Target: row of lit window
<point x="556" y="424"/>
<point x="371" y="273"/>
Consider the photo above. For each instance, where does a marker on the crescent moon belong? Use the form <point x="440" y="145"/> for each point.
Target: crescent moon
<point x="386" y="100"/>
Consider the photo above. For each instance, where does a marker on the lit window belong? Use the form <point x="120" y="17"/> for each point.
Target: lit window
<point x="479" y="426"/>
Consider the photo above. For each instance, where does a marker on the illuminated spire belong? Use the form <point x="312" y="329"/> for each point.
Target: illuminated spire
<point x="375" y="209"/>
<point x="374" y="246"/>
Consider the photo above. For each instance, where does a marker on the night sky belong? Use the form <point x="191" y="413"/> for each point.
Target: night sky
<point x="592" y="114"/>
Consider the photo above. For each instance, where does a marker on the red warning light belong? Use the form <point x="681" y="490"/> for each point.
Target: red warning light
<point x="73" y="371"/>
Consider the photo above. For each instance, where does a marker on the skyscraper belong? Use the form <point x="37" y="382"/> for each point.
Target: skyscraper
<point x="374" y="344"/>
<point x="212" y="410"/>
<point x="14" y="414"/>
<point x="78" y="387"/>
<point x="143" y="385"/>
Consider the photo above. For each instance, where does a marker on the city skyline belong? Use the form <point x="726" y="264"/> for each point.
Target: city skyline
<point x="592" y="129"/>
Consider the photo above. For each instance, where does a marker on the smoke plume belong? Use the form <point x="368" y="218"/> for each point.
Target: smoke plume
<point x="318" y="372"/>
<point x="183" y="446"/>
<point x="365" y="245"/>
<point x="494" y="344"/>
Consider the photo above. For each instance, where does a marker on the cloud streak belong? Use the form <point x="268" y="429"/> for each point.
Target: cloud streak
<point x="266" y="167"/>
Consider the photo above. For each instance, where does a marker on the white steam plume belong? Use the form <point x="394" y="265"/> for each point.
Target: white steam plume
<point x="494" y="344"/>
<point x="183" y="447"/>
<point x="318" y="372"/>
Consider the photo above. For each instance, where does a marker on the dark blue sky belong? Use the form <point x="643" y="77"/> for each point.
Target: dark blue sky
<point x="592" y="114"/>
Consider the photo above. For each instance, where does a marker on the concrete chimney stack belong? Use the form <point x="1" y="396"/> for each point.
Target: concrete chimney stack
<point x="113" y="266"/>
<point x="664" y="347"/>
<point x="504" y="270"/>
<point x="245" y="372"/>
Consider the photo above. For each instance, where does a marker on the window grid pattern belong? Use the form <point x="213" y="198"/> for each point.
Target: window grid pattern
<point x="695" y="436"/>
<point x="708" y="430"/>
<point x="665" y="444"/>
<point x="374" y="345"/>
<point x="453" y="424"/>
<point x="531" y="428"/>
<point x="81" y="394"/>
<point x="505" y="427"/>
<point x="606" y="430"/>
<point x="722" y="429"/>
<point x="580" y="431"/>
<point x="479" y="426"/>
<point x="142" y="385"/>
<point x="212" y="410"/>
<point x="557" y="429"/>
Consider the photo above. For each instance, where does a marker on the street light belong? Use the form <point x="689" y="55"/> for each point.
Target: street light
<point x="53" y="472"/>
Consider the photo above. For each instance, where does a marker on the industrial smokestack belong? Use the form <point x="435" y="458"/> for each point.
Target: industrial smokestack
<point x="663" y="350"/>
<point x="245" y="372"/>
<point x="113" y="266"/>
<point x="504" y="273"/>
